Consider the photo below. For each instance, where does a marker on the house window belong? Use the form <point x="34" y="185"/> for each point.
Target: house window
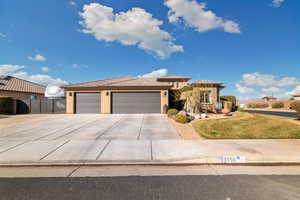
<point x="205" y="97"/>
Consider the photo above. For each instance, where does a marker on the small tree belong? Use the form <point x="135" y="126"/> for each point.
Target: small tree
<point x="296" y="106"/>
<point x="232" y="99"/>
<point x="278" y="104"/>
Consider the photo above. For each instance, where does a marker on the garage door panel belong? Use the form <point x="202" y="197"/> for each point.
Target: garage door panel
<point x="88" y="103"/>
<point x="138" y="102"/>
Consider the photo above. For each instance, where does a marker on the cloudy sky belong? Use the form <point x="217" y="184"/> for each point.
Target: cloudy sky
<point x="251" y="46"/>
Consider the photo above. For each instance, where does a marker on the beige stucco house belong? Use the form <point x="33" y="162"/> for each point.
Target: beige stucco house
<point x="296" y="97"/>
<point x="126" y="94"/>
<point x="20" y="89"/>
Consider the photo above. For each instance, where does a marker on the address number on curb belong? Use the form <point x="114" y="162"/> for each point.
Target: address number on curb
<point x="233" y="159"/>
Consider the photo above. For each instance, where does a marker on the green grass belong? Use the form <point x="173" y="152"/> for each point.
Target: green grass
<point x="248" y="126"/>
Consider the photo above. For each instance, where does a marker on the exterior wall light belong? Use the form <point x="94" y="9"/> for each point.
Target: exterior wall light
<point x="165" y="93"/>
<point x="107" y="93"/>
<point x="70" y="94"/>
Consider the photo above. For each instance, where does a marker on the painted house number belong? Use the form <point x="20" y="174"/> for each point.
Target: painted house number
<point x="233" y="159"/>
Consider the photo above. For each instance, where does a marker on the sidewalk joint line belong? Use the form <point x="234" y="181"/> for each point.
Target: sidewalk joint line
<point x="151" y="149"/>
<point x="70" y="132"/>
<point x="109" y="128"/>
<point x="73" y="171"/>
<point x="215" y="170"/>
<point x="14" y="146"/>
<point x="139" y="136"/>
<point x="25" y="130"/>
<point x="55" y="149"/>
<point x="101" y="152"/>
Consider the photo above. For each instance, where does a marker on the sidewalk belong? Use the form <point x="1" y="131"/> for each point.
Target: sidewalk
<point x="156" y="152"/>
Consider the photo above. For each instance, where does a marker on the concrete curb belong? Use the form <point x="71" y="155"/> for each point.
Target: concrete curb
<point x="144" y="163"/>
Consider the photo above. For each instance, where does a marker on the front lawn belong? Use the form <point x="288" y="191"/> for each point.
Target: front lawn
<point x="248" y="126"/>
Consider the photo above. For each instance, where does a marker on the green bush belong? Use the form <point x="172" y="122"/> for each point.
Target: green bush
<point x="172" y="112"/>
<point x="181" y="119"/>
<point x="232" y="99"/>
<point x="6" y="105"/>
<point x="278" y="104"/>
<point x="241" y="109"/>
<point x="296" y="106"/>
<point x="165" y="108"/>
<point x="228" y="105"/>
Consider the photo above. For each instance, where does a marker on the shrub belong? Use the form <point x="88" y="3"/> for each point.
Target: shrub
<point x="232" y="99"/>
<point x="296" y="106"/>
<point x="241" y="109"/>
<point x="6" y="105"/>
<point x="257" y="105"/>
<point x="228" y="106"/>
<point x="278" y="104"/>
<point x="165" y="108"/>
<point x="172" y="112"/>
<point x="181" y="119"/>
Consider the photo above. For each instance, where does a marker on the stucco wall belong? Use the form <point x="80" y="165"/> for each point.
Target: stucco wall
<point x="106" y="99"/>
<point x="182" y="84"/>
<point x="70" y="102"/>
<point x="20" y="95"/>
<point x="214" y="98"/>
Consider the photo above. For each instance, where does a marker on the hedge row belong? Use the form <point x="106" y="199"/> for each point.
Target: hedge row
<point x="277" y="104"/>
<point x="258" y="105"/>
<point x="6" y="105"/>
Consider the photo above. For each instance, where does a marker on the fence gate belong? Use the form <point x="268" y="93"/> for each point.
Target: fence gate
<point x="44" y="106"/>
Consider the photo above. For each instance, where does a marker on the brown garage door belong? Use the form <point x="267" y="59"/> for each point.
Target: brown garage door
<point x="88" y="103"/>
<point x="136" y="102"/>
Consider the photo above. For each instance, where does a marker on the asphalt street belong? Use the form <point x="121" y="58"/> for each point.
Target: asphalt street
<point x="231" y="187"/>
<point x="277" y="113"/>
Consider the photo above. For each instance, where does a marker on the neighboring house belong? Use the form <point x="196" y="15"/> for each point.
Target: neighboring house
<point x="296" y="97"/>
<point x="20" y="89"/>
<point x="128" y="94"/>
<point x="269" y="98"/>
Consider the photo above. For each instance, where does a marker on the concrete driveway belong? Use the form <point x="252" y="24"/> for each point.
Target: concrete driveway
<point x="88" y="127"/>
<point x="92" y="138"/>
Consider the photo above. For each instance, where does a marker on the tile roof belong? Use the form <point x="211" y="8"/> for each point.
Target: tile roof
<point x="120" y="82"/>
<point x="10" y="83"/>
<point x="208" y="82"/>
<point x="174" y="77"/>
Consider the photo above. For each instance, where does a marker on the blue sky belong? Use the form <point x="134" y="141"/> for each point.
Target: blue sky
<point x="251" y="46"/>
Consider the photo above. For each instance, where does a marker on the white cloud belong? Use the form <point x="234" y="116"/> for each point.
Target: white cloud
<point x="133" y="27"/>
<point x="155" y="73"/>
<point x="72" y="3"/>
<point x="43" y="79"/>
<point x="258" y="79"/>
<point x="268" y="84"/>
<point x="45" y="69"/>
<point x="244" y="90"/>
<point x="196" y="15"/>
<point x="272" y="90"/>
<point x="277" y="3"/>
<point x="295" y="91"/>
<point x="7" y="69"/>
<point x="37" y="57"/>
<point x="286" y="81"/>
<point x="40" y="78"/>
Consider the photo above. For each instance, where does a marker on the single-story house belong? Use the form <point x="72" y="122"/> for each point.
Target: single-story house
<point x="296" y="96"/>
<point x="127" y="94"/>
<point x="20" y="89"/>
